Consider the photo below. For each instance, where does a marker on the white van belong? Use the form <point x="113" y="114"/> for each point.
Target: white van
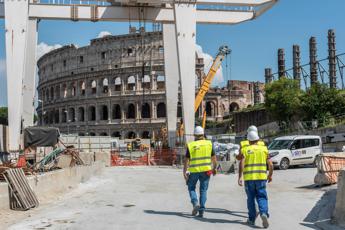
<point x="294" y="150"/>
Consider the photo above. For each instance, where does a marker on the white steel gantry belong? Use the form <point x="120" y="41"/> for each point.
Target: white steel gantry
<point x="179" y="20"/>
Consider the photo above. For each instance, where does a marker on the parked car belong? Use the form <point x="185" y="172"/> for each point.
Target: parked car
<point x="294" y="150"/>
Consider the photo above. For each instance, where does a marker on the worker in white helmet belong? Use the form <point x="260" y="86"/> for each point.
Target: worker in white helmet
<point x="253" y="169"/>
<point x="201" y="163"/>
<point x="245" y="143"/>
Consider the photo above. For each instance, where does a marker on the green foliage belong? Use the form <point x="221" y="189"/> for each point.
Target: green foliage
<point x="283" y="100"/>
<point x="286" y="103"/>
<point x="3" y="116"/>
<point x="322" y="103"/>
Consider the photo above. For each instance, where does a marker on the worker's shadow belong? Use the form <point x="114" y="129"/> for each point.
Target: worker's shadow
<point x="206" y="219"/>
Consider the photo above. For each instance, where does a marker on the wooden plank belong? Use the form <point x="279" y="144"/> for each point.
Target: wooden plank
<point x="18" y="191"/>
<point x="30" y="192"/>
<point x="13" y="193"/>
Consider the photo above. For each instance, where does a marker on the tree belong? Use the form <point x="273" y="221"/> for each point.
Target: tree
<point x="283" y="100"/>
<point x="3" y="116"/>
<point x="321" y="103"/>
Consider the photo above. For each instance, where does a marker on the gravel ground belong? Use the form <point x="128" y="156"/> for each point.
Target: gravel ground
<point x="156" y="198"/>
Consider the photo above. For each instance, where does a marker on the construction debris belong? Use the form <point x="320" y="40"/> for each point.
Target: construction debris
<point x="22" y="197"/>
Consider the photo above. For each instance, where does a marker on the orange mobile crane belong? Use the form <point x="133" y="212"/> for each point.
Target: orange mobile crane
<point x="205" y="86"/>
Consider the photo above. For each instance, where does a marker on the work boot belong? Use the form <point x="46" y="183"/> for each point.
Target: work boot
<point x="264" y="219"/>
<point x="195" y="210"/>
<point x="201" y="214"/>
<point x="250" y="222"/>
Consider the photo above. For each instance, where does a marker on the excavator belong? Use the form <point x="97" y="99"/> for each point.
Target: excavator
<point x="205" y="86"/>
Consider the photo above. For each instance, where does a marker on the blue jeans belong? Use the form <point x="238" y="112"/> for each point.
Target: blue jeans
<point x="192" y="181"/>
<point x="256" y="189"/>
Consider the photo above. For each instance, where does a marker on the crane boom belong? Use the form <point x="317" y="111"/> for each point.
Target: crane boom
<point x="205" y="86"/>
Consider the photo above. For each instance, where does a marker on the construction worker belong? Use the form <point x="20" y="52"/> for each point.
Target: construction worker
<point x="253" y="169"/>
<point x="201" y="162"/>
<point x="246" y="142"/>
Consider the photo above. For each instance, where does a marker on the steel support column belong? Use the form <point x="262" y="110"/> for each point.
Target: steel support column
<point x="171" y="80"/>
<point x="185" y="24"/>
<point x="268" y="75"/>
<point x="16" y="24"/>
<point x="332" y="63"/>
<point x="296" y="64"/>
<point x="29" y="75"/>
<point x="313" y="60"/>
<point x="281" y="63"/>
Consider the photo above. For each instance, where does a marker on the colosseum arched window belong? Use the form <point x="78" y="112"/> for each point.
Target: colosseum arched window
<point x="117" y="83"/>
<point x="63" y="116"/>
<point x="81" y="114"/>
<point x="161" y="110"/>
<point x="116" y="113"/>
<point x="160" y="82"/>
<point x="210" y="109"/>
<point x="131" y="83"/>
<point x="82" y="88"/>
<point x="131" y="135"/>
<point x="52" y="93"/>
<point x="131" y="111"/>
<point x="47" y="95"/>
<point x="51" y="117"/>
<point x="146" y="82"/>
<point x="73" y="89"/>
<point x="234" y="107"/>
<point x="145" y="111"/>
<point x="116" y="134"/>
<point x="103" y="112"/>
<point x="64" y="90"/>
<point x="92" y="134"/>
<point x="71" y="115"/>
<point x="93" y="87"/>
<point x="57" y="116"/>
<point x="57" y="91"/>
<point x="103" y="134"/>
<point x="105" y="85"/>
<point x="92" y="113"/>
<point x="145" y="135"/>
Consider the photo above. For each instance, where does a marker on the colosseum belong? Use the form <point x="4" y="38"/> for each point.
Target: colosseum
<point x="116" y="86"/>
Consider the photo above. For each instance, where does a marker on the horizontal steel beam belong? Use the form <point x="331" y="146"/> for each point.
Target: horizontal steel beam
<point x="118" y="13"/>
<point x="198" y="2"/>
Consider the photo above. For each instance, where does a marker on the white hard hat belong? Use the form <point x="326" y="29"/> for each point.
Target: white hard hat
<point x="252" y="128"/>
<point x="253" y="136"/>
<point x="198" y="130"/>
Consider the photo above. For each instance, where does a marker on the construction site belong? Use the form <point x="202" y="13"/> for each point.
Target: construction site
<point x="111" y="133"/>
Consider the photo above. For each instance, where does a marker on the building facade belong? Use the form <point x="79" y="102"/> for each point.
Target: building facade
<point x="115" y="86"/>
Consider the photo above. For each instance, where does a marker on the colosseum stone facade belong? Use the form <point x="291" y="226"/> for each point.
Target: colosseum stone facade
<point x="116" y="86"/>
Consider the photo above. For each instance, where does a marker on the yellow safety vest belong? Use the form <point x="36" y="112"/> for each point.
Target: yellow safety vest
<point x="245" y="143"/>
<point x="200" y="156"/>
<point x="255" y="159"/>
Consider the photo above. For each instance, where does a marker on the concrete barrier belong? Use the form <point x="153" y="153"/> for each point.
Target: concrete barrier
<point x="87" y="157"/>
<point x="104" y="157"/>
<point x="339" y="211"/>
<point x="50" y="185"/>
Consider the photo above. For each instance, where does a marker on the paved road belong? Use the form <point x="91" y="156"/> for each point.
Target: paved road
<point x="156" y="198"/>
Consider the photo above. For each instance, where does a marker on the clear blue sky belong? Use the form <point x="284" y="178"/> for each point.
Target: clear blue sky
<point x="254" y="43"/>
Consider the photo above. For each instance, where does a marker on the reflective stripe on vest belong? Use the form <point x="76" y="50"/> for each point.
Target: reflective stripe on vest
<point x="255" y="158"/>
<point x="245" y="143"/>
<point x="200" y="156"/>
